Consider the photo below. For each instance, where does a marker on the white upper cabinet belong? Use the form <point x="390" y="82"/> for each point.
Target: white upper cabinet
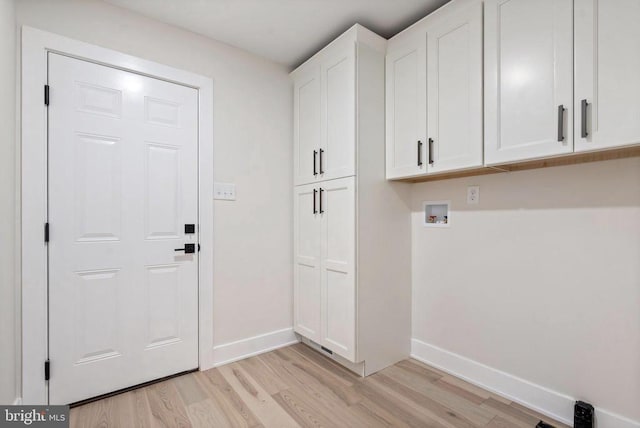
<point x="406" y="106"/>
<point x="528" y="79"/>
<point x="306" y="125"/>
<point x="607" y="78"/>
<point x="434" y="93"/>
<point x="324" y="115"/>
<point x="338" y="81"/>
<point x="454" y="88"/>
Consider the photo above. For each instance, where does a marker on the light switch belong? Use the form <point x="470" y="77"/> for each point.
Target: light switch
<point x="224" y="191"/>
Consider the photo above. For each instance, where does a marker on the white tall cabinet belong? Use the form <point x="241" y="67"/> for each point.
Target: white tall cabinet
<point x="352" y="285"/>
<point x="434" y="93"/>
<point x="607" y="76"/>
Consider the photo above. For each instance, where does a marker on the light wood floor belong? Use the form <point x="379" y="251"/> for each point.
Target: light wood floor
<point x="296" y="386"/>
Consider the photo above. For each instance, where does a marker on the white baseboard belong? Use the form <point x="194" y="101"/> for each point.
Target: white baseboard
<point x="245" y="348"/>
<point x="536" y="397"/>
<point x="17" y="401"/>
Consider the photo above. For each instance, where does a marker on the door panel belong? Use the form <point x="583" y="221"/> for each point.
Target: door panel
<point x="122" y="183"/>
<point x="406" y="108"/>
<point x="307" y="263"/>
<point x="98" y="184"/>
<point x="338" y="114"/>
<point x="338" y="266"/>
<point x="306" y="125"/>
<point x="607" y="64"/>
<point x="454" y="88"/>
<point x="528" y="76"/>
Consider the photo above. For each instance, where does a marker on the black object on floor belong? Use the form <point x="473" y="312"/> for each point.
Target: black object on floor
<point x="583" y="415"/>
<point x="542" y="424"/>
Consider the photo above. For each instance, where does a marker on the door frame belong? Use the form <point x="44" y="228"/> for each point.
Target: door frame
<point x="36" y="44"/>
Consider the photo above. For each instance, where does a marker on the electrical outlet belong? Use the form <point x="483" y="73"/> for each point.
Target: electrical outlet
<point x="224" y="191"/>
<point x="473" y="195"/>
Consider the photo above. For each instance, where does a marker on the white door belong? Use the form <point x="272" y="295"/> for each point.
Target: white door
<point x="306" y="247"/>
<point x="607" y="78"/>
<point x="337" y="210"/>
<point x="337" y="157"/>
<point x="528" y="79"/>
<point x="306" y="125"/>
<point x="454" y="89"/>
<point x="406" y="114"/>
<point x="122" y="185"/>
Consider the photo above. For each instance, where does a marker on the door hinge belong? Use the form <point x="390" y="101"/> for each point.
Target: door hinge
<point x="47" y="370"/>
<point x="198" y="247"/>
<point x="46" y="232"/>
<point x="46" y="95"/>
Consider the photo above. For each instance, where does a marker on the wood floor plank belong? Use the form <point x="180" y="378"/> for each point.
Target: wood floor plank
<point x="293" y="376"/>
<point x="206" y="414"/>
<point x="452" y="380"/>
<point x="227" y="398"/>
<point x="474" y="413"/>
<point x="505" y="411"/>
<point x="435" y="410"/>
<point x="297" y="386"/>
<point x="264" y="375"/>
<point x="421" y="369"/>
<point x="464" y="393"/>
<point x="189" y="389"/>
<point x="167" y="409"/>
<point x="92" y="414"/>
<point x="266" y="409"/>
<point x="373" y="415"/>
<point x="538" y="415"/>
<point x="499" y="422"/>
<point x="316" y="366"/>
<point x="326" y="362"/>
<point x="305" y="411"/>
<point x="397" y="407"/>
<point x="339" y="386"/>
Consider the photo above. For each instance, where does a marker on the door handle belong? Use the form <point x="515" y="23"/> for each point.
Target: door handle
<point x="321" y="192"/>
<point x="561" y="123"/>
<point x="315" y="160"/>
<point x="188" y="248"/>
<point x="430" y="151"/>
<point x="583" y="125"/>
<point x="315" y="210"/>
<point x="419" y="153"/>
<point x="321" y="168"/>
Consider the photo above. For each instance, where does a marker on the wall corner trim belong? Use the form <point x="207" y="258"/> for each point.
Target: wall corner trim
<point x="536" y="397"/>
<point x="249" y="347"/>
<point x="17" y="401"/>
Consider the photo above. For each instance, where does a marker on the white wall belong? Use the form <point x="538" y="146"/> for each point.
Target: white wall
<point x="541" y="280"/>
<point x="252" y="145"/>
<point x="7" y="201"/>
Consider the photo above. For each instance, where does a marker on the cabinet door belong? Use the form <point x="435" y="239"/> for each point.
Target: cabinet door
<point x="607" y="79"/>
<point x="307" y="252"/>
<point x="338" y="266"/>
<point x="454" y="89"/>
<point x="528" y="79"/>
<point x="406" y="114"/>
<point x="306" y="125"/>
<point x="337" y="156"/>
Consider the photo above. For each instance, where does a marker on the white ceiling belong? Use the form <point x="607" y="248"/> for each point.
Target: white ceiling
<point x="285" y="31"/>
